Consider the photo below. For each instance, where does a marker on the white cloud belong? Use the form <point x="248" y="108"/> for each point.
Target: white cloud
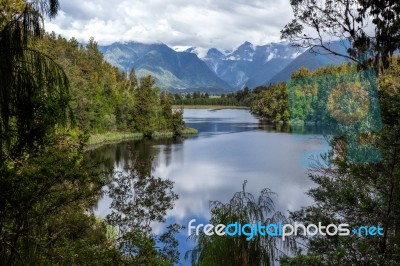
<point x="202" y="23"/>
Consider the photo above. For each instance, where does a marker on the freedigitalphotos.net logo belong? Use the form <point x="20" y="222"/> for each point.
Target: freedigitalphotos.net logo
<point x="340" y="104"/>
<point x="281" y="230"/>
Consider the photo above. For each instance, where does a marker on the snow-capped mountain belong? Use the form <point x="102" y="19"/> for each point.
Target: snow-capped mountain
<point x="250" y="65"/>
<point x="173" y="70"/>
<point x="188" y="69"/>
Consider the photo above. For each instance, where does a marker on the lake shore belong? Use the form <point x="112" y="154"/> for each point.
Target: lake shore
<point x="114" y="137"/>
<point x="214" y="107"/>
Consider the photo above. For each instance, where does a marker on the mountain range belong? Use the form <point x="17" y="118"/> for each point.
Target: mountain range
<point x="217" y="71"/>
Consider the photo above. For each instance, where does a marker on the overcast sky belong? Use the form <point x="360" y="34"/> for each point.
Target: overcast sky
<point x="223" y="24"/>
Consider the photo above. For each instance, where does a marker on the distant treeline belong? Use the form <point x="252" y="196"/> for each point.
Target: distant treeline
<point x="240" y="98"/>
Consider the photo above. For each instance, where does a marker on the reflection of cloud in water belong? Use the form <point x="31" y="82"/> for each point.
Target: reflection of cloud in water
<point x="215" y="168"/>
<point x="194" y="188"/>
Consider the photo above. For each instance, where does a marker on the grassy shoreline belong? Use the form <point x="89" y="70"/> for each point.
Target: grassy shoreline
<point x="114" y="137"/>
<point x="216" y="107"/>
<point x="110" y="137"/>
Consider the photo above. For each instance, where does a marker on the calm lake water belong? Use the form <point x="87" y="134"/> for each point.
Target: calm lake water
<point x="232" y="146"/>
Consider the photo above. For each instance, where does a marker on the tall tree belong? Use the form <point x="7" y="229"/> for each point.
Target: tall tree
<point x="318" y="23"/>
<point x="41" y="177"/>
<point x="243" y="208"/>
<point x="359" y="194"/>
<point x="132" y="79"/>
<point x="33" y="88"/>
<point x="385" y="16"/>
<point x="144" y="111"/>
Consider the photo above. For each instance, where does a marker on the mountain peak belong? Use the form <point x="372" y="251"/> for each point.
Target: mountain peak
<point x="200" y="52"/>
<point x="214" y="52"/>
<point x="175" y="69"/>
<point x="182" y="48"/>
<point x="247" y="43"/>
<point x="190" y="50"/>
<point x="243" y="52"/>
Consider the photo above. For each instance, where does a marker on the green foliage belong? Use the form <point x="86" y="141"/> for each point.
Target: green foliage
<point x="226" y="250"/>
<point x="103" y="98"/>
<point x="308" y="93"/>
<point x="303" y="260"/>
<point x="271" y="103"/>
<point x="42" y="202"/>
<point x="317" y="23"/>
<point x="48" y="186"/>
<point x="100" y="95"/>
<point x="145" y="109"/>
<point x="33" y="88"/>
<point x="359" y="194"/>
<point x="112" y="137"/>
<point x="178" y="126"/>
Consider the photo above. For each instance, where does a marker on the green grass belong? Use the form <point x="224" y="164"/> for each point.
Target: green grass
<point x="190" y="131"/>
<point x="111" y="137"/>
<point x="162" y="134"/>
<point x="167" y="134"/>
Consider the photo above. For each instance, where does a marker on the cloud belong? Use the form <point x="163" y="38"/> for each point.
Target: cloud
<point x="201" y="23"/>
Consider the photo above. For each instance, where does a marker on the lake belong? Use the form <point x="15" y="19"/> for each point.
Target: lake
<point x="232" y="146"/>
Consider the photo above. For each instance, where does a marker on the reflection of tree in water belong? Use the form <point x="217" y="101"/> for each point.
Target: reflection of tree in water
<point x="139" y="200"/>
<point x="145" y="152"/>
<point x="139" y="155"/>
<point x="142" y="156"/>
<point x="110" y="156"/>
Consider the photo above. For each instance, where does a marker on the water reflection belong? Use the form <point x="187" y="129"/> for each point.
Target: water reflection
<point x="141" y="155"/>
<point x="232" y="145"/>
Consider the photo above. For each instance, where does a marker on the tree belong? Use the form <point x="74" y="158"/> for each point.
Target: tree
<point x="36" y="191"/>
<point x="271" y="103"/>
<point x="46" y="184"/>
<point x="366" y="194"/>
<point x="385" y="17"/>
<point x="346" y="20"/>
<point x="33" y="88"/>
<point x="133" y="83"/>
<point x="226" y="250"/>
<point x="178" y="124"/>
<point x="166" y="110"/>
<point x="144" y="111"/>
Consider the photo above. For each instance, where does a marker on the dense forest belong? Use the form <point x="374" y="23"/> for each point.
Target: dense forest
<point x="104" y="99"/>
<point x="303" y="99"/>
